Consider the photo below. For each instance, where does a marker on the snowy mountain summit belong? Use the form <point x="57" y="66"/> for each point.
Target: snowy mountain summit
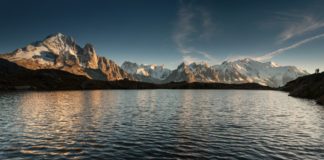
<point x="148" y="73"/>
<point x="58" y="51"/>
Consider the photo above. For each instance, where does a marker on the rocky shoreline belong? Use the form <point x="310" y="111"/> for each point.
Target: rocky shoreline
<point x="310" y="87"/>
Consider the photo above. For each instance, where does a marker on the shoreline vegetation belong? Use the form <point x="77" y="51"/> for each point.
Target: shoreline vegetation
<point x="15" y="77"/>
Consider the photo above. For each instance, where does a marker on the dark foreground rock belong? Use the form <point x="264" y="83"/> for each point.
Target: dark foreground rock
<point x="198" y="85"/>
<point x="15" y="77"/>
<point x="310" y="87"/>
<point x="321" y="100"/>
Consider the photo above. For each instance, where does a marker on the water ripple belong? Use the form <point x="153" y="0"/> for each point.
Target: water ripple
<point x="159" y="124"/>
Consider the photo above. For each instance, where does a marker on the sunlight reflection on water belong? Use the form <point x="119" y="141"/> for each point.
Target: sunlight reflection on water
<point x="182" y="124"/>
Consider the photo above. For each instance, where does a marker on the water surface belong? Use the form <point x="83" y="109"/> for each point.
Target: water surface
<point x="160" y="124"/>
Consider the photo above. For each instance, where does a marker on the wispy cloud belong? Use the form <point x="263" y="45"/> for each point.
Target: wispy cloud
<point x="269" y="55"/>
<point x="193" y="24"/>
<point x="208" y="26"/>
<point x="238" y="57"/>
<point x="296" y="25"/>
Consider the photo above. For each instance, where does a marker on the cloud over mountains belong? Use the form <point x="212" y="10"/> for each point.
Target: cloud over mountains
<point x="193" y="23"/>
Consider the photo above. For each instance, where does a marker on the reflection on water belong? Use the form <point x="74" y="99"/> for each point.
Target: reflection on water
<point x="163" y="124"/>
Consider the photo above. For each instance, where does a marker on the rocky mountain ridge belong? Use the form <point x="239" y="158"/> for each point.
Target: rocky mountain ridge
<point x="61" y="52"/>
<point x="147" y="73"/>
<point x="232" y="72"/>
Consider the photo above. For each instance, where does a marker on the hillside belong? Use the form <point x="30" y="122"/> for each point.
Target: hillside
<point x="310" y="87"/>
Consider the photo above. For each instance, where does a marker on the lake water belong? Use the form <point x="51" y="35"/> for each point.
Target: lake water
<point x="160" y="124"/>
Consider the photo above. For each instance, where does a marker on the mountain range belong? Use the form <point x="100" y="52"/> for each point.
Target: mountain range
<point x="15" y="77"/>
<point x="61" y="52"/>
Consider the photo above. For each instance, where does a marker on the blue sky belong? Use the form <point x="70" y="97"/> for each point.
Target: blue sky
<point x="170" y="31"/>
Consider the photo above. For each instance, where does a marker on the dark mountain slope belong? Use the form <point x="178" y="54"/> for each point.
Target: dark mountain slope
<point x="310" y="86"/>
<point x="17" y="77"/>
<point x="201" y="85"/>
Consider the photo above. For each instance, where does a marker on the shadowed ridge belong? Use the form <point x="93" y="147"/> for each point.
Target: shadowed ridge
<point x="310" y="87"/>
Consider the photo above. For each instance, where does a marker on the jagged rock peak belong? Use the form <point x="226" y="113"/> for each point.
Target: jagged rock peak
<point x="146" y="71"/>
<point x="90" y="56"/>
<point x="89" y="48"/>
<point x="61" y="44"/>
<point x="59" y="37"/>
<point x="181" y="65"/>
<point x="201" y="64"/>
<point x="130" y="63"/>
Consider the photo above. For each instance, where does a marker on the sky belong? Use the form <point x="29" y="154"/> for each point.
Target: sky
<point x="289" y="32"/>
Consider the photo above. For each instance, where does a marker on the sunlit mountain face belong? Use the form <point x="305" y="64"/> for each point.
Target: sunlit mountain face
<point x="61" y="52"/>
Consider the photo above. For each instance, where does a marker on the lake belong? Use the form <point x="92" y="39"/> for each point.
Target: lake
<point x="159" y="124"/>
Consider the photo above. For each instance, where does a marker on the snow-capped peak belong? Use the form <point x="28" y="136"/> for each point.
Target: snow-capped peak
<point x="147" y="70"/>
<point x="58" y="51"/>
<point x="199" y="64"/>
<point x="59" y="38"/>
<point x="57" y="35"/>
<point x="61" y="44"/>
<point x="273" y="64"/>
